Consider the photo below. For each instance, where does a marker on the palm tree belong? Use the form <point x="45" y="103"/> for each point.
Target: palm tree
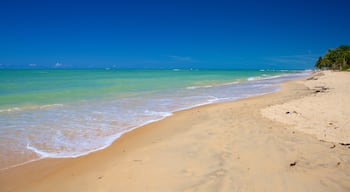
<point x="319" y="63"/>
<point x="344" y="55"/>
<point x="337" y="59"/>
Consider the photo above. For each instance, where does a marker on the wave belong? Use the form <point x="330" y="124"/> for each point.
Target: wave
<point x="9" y="110"/>
<point x="155" y="113"/>
<point x="265" y="77"/>
<point x="232" y="83"/>
<point x="30" y="107"/>
<point x="107" y="142"/>
<point x="50" y="106"/>
<point x="199" y="87"/>
<point x="216" y="85"/>
<point x="281" y="70"/>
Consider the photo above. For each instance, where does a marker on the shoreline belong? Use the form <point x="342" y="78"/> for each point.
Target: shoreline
<point x="18" y="151"/>
<point x="122" y="133"/>
<point x="177" y="149"/>
<point x="40" y="155"/>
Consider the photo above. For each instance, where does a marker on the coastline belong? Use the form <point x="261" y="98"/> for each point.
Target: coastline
<point x="93" y="124"/>
<point x="217" y="147"/>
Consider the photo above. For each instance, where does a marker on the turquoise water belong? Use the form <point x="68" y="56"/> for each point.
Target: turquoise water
<point x="68" y="113"/>
<point x="39" y="87"/>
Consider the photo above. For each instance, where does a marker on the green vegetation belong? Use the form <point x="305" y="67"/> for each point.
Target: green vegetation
<point x="335" y="59"/>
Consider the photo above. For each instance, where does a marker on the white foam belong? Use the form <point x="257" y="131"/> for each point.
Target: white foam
<point x="252" y="78"/>
<point x="156" y="113"/>
<point x="9" y="110"/>
<point x="198" y="87"/>
<point x="42" y="154"/>
<point x="231" y="83"/>
<point x="30" y="107"/>
<point x="265" y="77"/>
<point x="50" y="106"/>
<point x="214" y="99"/>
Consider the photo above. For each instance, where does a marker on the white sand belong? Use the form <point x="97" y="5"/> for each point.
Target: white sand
<point x="324" y="113"/>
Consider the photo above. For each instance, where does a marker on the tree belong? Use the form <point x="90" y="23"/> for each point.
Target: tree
<point x="337" y="59"/>
<point x="344" y="55"/>
<point x="319" y="63"/>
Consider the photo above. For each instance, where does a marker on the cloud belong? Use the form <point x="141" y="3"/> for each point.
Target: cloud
<point x="32" y="65"/>
<point x="58" y="64"/>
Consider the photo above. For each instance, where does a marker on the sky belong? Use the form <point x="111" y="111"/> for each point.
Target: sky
<point x="218" y="34"/>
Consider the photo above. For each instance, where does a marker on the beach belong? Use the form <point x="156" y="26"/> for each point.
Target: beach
<point x="69" y="113"/>
<point x="295" y="139"/>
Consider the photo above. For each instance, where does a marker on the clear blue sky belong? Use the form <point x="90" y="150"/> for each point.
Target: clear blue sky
<point x="170" y="34"/>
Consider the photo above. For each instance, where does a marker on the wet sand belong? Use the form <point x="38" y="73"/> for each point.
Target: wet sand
<point x="233" y="146"/>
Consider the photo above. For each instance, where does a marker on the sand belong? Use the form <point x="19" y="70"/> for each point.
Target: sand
<point x="329" y="121"/>
<point x="246" y="145"/>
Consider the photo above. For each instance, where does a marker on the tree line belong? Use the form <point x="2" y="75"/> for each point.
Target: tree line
<point x="335" y="59"/>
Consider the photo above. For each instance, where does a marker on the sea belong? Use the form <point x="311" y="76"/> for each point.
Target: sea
<point x="62" y="113"/>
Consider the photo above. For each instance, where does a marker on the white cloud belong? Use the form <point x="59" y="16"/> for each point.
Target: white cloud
<point x="32" y="65"/>
<point x="58" y="64"/>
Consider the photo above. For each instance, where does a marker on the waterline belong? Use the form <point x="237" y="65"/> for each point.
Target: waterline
<point x="78" y="126"/>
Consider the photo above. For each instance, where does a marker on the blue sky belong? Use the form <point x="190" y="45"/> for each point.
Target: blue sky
<point x="170" y="34"/>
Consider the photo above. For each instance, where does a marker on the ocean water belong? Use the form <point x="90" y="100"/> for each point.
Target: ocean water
<point x="69" y="113"/>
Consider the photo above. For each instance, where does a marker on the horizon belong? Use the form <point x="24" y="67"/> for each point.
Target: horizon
<point x="170" y="35"/>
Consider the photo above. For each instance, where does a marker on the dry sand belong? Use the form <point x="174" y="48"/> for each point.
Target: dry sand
<point x="220" y="147"/>
<point x="325" y="113"/>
